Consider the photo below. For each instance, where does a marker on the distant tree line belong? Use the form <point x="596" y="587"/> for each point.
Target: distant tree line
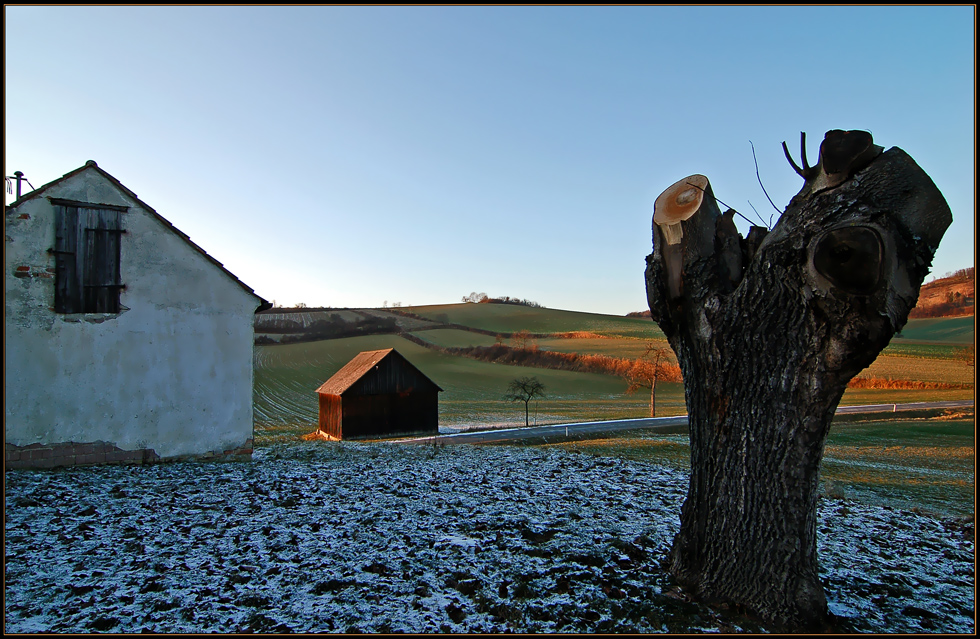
<point x="578" y="362"/>
<point x="962" y="274"/>
<point x="331" y="328"/>
<point x="483" y="298"/>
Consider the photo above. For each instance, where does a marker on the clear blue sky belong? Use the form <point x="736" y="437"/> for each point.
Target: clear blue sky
<point x="348" y="156"/>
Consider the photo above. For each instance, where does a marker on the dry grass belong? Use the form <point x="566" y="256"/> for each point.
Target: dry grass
<point x="881" y="383"/>
<point x="578" y="362"/>
<point x="939" y="370"/>
<point x="881" y="453"/>
<point x="951" y="414"/>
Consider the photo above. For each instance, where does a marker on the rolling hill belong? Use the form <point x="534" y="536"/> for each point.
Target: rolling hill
<point x="286" y="375"/>
<point x="949" y="296"/>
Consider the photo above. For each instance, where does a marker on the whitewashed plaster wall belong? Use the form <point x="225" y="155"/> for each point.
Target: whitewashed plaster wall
<point x="171" y="372"/>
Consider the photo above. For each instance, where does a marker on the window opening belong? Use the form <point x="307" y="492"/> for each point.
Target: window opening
<point x="87" y="250"/>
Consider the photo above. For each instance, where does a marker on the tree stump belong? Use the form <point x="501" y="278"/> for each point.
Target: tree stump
<point x="768" y="330"/>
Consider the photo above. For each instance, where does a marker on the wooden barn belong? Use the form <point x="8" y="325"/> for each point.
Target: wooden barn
<point x="378" y="394"/>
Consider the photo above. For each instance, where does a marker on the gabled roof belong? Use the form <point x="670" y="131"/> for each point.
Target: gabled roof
<point x="264" y="305"/>
<point x="361" y="365"/>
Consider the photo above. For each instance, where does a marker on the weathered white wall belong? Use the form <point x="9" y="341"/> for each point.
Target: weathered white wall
<point x="172" y="372"/>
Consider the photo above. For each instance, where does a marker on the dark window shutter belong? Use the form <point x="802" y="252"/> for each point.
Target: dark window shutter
<point x="68" y="283"/>
<point x="101" y="260"/>
<point x="87" y="252"/>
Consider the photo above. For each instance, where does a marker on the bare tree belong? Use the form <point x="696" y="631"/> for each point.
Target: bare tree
<point x="966" y="354"/>
<point x="768" y="330"/>
<point x="522" y="339"/>
<point x="524" y="389"/>
<point x="646" y="371"/>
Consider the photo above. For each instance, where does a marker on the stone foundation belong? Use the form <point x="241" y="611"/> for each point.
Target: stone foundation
<point x="95" y="453"/>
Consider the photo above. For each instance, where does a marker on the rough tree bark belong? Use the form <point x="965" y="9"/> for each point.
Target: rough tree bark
<point x="768" y="330"/>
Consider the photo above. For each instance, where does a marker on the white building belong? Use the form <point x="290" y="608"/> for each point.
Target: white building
<point x="123" y="340"/>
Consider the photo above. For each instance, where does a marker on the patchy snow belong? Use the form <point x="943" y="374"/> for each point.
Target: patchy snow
<point x="340" y="536"/>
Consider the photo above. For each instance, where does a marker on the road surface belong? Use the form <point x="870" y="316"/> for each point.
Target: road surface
<point x="676" y="424"/>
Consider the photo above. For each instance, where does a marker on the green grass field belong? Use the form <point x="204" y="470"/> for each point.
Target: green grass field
<point x="955" y="330"/>
<point x="508" y="318"/>
<point x="922" y="369"/>
<point x="453" y="337"/>
<point x="925" y="463"/>
<point x="925" y="349"/>
<point x="286" y="376"/>
<point x="612" y="346"/>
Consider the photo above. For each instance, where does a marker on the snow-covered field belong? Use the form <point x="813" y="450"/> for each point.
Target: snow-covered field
<point x="338" y="537"/>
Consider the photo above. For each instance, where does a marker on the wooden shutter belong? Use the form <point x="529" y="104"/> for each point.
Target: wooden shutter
<point x="100" y="281"/>
<point x="87" y="252"/>
<point x="67" y="281"/>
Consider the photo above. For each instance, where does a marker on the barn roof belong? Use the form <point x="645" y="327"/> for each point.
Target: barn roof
<point x="263" y="304"/>
<point x="361" y="365"/>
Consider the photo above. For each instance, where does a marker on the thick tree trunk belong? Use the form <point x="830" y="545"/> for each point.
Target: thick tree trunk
<point x="768" y="332"/>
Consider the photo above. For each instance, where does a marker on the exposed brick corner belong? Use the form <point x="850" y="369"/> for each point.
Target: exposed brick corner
<point x="73" y="454"/>
<point x="39" y="455"/>
<point x="245" y="450"/>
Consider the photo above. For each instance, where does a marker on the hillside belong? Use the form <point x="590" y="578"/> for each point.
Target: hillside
<point x="487" y="319"/>
<point x="920" y="365"/>
<point x="950" y="296"/>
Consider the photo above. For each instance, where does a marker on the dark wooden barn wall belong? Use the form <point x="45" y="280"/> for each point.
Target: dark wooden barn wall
<point x="390" y="414"/>
<point x="330" y="415"/>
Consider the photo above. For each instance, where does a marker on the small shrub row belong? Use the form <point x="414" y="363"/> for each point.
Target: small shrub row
<point x="956" y="307"/>
<point x="883" y="383"/>
<point x="577" y="362"/>
<point x="483" y="298"/>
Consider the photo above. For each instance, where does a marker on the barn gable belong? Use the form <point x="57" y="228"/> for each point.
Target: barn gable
<point x="124" y="340"/>
<point x="375" y="373"/>
<point x="105" y="188"/>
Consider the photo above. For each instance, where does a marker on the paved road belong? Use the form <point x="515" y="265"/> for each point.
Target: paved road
<point x="676" y="424"/>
